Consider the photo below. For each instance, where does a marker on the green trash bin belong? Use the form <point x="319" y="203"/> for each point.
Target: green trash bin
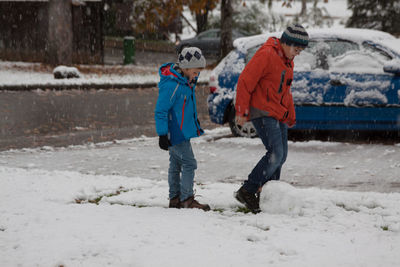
<point x="129" y="50"/>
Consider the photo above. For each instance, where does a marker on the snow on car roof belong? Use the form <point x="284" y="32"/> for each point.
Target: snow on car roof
<point x="356" y="35"/>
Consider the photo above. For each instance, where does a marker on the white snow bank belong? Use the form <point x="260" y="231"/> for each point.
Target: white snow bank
<point x="61" y="72"/>
<point x="382" y="210"/>
<point x="9" y="75"/>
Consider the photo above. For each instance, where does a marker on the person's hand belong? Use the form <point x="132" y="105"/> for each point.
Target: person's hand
<point x="240" y="120"/>
<point x="291" y="123"/>
<point x="164" y="142"/>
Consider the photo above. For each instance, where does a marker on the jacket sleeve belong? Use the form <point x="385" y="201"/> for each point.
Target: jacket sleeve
<point x="248" y="80"/>
<point x="166" y="98"/>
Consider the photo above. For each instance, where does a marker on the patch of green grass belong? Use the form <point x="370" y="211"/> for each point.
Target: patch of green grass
<point x="243" y="210"/>
<point x="385" y="228"/>
<point x="220" y="210"/>
<point x="99" y="198"/>
<point x="96" y="200"/>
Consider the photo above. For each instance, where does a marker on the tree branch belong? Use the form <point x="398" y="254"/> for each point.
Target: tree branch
<point x="187" y="21"/>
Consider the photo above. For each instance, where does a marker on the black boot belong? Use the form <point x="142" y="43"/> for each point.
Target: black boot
<point x="251" y="201"/>
<point x="175" y="203"/>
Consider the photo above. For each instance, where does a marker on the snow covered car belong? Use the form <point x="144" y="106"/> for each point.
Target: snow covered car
<point x="346" y="79"/>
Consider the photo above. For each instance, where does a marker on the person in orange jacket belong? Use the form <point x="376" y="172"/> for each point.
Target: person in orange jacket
<point x="263" y="96"/>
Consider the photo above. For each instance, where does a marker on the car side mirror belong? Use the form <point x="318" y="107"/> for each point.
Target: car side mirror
<point x="392" y="66"/>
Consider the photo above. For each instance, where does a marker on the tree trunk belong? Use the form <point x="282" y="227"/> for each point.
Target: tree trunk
<point x="303" y="11"/>
<point x="226" y="27"/>
<point x="59" y="39"/>
<point x="201" y="21"/>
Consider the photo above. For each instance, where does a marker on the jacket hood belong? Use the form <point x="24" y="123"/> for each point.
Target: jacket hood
<point x="167" y="72"/>
<point x="276" y="45"/>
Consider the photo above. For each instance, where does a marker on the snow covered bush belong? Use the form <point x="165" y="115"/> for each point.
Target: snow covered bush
<point x="252" y="18"/>
<point x="62" y="72"/>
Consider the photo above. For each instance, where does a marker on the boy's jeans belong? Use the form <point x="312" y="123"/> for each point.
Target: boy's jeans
<point x="181" y="160"/>
<point x="274" y="137"/>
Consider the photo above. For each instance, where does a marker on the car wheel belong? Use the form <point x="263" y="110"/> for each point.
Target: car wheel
<point x="247" y="130"/>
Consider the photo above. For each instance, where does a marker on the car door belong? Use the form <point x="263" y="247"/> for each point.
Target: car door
<point x="363" y="96"/>
<point x="341" y="86"/>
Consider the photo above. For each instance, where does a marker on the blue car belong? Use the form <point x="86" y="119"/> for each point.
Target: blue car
<point x="346" y="79"/>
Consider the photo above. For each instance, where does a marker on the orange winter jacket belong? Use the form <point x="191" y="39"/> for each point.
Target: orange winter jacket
<point x="264" y="85"/>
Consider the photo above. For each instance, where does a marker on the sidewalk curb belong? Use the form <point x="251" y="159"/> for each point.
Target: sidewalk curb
<point x="82" y="86"/>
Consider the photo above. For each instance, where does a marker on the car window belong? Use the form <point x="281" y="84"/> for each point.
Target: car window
<point x="209" y="34"/>
<point x="307" y="60"/>
<point x="335" y="47"/>
<point x="349" y="57"/>
<point x="319" y="53"/>
<point x="358" y="62"/>
<point x="376" y="51"/>
<point x="237" y="34"/>
<point x="339" y="47"/>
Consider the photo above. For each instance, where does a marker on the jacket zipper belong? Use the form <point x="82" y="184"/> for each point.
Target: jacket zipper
<point x="183" y="112"/>
<point x="282" y="80"/>
<point x="173" y="93"/>
<point x="286" y="114"/>
<point x="196" y="120"/>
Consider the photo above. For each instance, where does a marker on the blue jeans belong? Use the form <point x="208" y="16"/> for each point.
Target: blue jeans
<point x="274" y="137"/>
<point x="181" y="161"/>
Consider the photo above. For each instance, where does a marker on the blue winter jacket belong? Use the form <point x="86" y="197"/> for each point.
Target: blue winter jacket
<point x="176" y="112"/>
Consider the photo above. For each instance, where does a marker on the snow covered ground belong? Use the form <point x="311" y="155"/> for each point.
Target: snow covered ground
<point x="105" y="204"/>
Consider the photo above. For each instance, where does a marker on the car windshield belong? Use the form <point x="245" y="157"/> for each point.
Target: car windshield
<point x="208" y="34"/>
<point x="216" y="34"/>
<point x="237" y="34"/>
<point x="335" y="47"/>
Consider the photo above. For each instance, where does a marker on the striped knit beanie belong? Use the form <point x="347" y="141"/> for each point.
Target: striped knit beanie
<point x="295" y="35"/>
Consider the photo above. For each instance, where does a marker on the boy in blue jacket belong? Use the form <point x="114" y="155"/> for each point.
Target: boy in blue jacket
<point x="176" y="123"/>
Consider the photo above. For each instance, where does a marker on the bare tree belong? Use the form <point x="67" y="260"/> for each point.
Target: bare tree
<point x="226" y="27"/>
<point x="59" y="38"/>
<point x="201" y="9"/>
<point x="303" y="11"/>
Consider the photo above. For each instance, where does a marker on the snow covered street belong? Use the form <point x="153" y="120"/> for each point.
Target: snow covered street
<point x="105" y="204"/>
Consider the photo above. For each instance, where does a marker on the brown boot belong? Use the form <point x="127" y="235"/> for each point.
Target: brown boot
<point x="175" y="203"/>
<point x="191" y="203"/>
